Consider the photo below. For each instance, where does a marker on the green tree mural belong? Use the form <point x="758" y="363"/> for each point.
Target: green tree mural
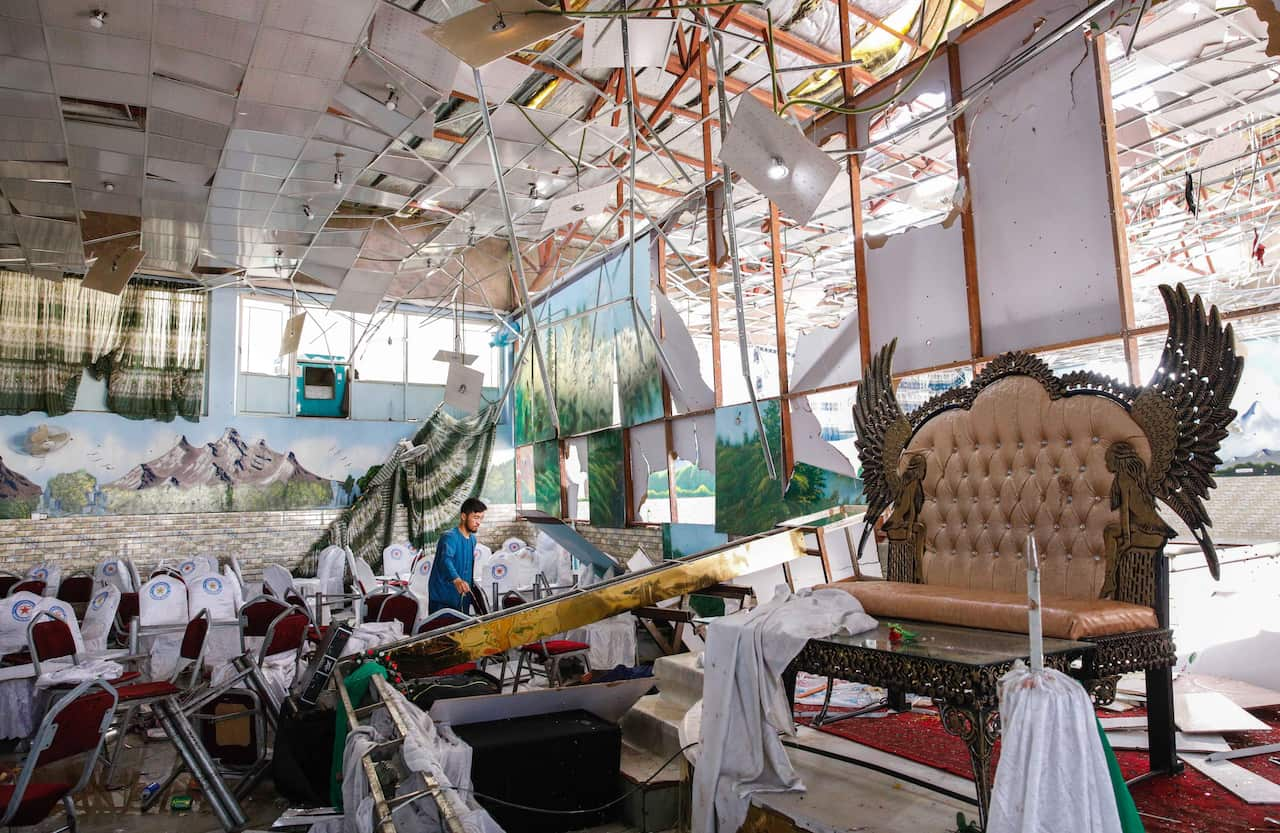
<point x="73" y="490"/>
<point x="605" y="477"/>
<point x="546" y="476"/>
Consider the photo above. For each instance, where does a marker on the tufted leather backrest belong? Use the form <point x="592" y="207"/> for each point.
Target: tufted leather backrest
<point x="1017" y="461"/>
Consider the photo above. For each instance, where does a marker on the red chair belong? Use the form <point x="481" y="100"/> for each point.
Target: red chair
<point x="287" y="632"/>
<point x="400" y="607"/>
<point x="126" y="616"/>
<point x="49" y="638"/>
<point x="75" y="725"/>
<point x="443" y="618"/>
<point x="30" y="586"/>
<point x="256" y="616"/>
<point x="548" y="653"/>
<point x="76" y="589"/>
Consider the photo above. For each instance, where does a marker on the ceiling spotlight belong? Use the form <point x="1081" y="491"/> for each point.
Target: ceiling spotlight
<point x="393" y="100"/>
<point x="500" y="24"/>
<point x="98" y="18"/>
<point x="108" y="186"/>
<point x="777" y="169"/>
<point x="337" y="171"/>
<point x="306" y="211"/>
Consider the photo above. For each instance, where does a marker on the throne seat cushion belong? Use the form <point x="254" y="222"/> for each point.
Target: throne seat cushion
<point x="1062" y="617"/>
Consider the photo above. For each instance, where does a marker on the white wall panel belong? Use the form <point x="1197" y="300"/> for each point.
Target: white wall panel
<point x="1038" y="179"/>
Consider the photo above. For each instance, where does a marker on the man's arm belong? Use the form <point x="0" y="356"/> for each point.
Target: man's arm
<point x="447" y="555"/>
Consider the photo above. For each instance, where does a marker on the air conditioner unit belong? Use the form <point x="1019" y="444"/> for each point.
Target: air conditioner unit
<point x="321" y="386"/>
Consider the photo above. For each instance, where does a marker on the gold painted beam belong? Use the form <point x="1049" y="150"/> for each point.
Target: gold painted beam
<point x="493" y="634"/>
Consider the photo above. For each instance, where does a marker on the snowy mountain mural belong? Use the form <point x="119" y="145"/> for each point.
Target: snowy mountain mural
<point x="227" y="474"/>
<point x="1252" y="446"/>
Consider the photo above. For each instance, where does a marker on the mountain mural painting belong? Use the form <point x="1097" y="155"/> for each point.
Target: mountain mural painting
<point x="18" y="495"/>
<point x="227" y="475"/>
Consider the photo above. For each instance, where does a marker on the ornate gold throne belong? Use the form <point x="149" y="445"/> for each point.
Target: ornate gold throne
<point x="1079" y="462"/>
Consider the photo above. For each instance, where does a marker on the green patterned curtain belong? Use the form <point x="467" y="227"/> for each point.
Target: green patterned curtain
<point x="431" y="475"/>
<point x="158" y="372"/>
<point x="148" y="341"/>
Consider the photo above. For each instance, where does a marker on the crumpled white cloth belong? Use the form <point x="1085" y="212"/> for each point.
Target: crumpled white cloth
<point x="744" y="704"/>
<point x="1052" y="765"/>
<point x="17" y="707"/>
<point x="66" y="673"/>
<point x="278" y="672"/>
<point x="612" y="641"/>
<point x="371" y="635"/>
<point x="357" y="798"/>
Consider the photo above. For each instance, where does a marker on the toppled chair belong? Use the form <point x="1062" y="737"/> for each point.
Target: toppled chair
<point x="1079" y="462"/>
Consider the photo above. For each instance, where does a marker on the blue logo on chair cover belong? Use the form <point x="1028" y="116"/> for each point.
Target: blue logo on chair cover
<point x="60" y="611"/>
<point x="212" y="585"/>
<point x="109" y="569"/>
<point x="498" y="571"/>
<point x="160" y="590"/>
<point x="22" y="610"/>
<point x="99" y="600"/>
<point x="40" y="573"/>
<point x="187" y="567"/>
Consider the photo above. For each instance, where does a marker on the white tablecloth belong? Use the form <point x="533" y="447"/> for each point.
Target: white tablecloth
<point x="612" y="641"/>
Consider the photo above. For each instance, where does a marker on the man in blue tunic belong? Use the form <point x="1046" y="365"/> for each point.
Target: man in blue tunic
<point x="451" y="572"/>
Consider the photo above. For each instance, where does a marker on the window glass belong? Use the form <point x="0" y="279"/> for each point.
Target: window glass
<point x="380" y="353"/>
<point x="261" y="326"/>
<point x="326" y="335"/>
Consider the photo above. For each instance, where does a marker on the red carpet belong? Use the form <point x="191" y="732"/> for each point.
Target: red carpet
<point x="1186" y="803"/>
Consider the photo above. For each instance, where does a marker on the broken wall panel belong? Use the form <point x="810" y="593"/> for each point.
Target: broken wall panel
<point x="546" y="477"/>
<point x="606" y="477"/>
<point x="649" y="490"/>
<point x="916" y="291"/>
<point x="578" y="488"/>
<point x="826" y="356"/>
<point x="1043" y="226"/>
<point x="693" y="443"/>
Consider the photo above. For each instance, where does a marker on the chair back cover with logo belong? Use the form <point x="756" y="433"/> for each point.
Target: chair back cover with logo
<point x="419" y="579"/>
<point x="331" y="569"/>
<point x="217" y="594"/>
<point x="50" y="574"/>
<point x="163" y="601"/>
<point x="114" y="572"/>
<point x="16" y="613"/>
<point x="98" y="618"/>
<point x="201" y="565"/>
<point x="236" y="583"/>
<point x="278" y="579"/>
<point x="397" y="560"/>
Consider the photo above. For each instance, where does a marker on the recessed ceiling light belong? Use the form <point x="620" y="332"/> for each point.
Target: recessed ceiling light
<point x="109" y="186"/>
<point x="337" y="171"/>
<point x="393" y="100"/>
<point x="777" y="169"/>
<point x="98" y="18"/>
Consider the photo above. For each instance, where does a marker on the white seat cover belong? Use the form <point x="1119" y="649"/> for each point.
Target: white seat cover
<point x="198" y="567"/>
<point x="218" y="595"/>
<point x="418" y="583"/>
<point x="113" y="571"/>
<point x="364" y="576"/>
<point x="397" y="560"/>
<point x="511" y="546"/>
<point x="278" y="579"/>
<point x="163" y="601"/>
<point x="14" y="617"/>
<point x="50" y="574"/>
<point x="98" y="617"/>
<point x="330" y="569"/>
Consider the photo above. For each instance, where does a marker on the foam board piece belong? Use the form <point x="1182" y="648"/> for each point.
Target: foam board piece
<point x="1183" y="743"/>
<point x="463" y="387"/>
<point x="690" y="390"/>
<point x="757" y="136"/>
<point x="1209" y="711"/>
<point x="1245" y="695"/>
<point x="112" y="270"/>
<point x="1249" y="787"/>
<point x="449" y="356"/>
<point x="573" y="206"/>
<point x="497" y="29"/>
<point x="808" y="444"/>
<point x="608" y="701"/>
<point x="650" y="42"/>
<point x="827" y="356"/>
<point x="292" y="335"/>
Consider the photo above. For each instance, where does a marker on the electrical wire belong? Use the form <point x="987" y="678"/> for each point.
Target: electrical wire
<point x="602" y="807"/>
<point x="630" y="13"/>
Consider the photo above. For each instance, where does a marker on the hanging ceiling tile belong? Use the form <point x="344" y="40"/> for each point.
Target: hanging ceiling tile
<point x="190" y="100"/>
<point x="285" y="90"/>
<point x="397" y="36"/>
<point x="196" y="68"/>
<point x="221" y="37"/>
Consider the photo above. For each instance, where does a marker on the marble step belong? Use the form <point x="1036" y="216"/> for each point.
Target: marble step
<point x="679" y="678"/>
<point x="653" y="725"/>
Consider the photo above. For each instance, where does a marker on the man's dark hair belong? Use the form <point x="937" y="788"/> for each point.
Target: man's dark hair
<point x="473" y="504"/>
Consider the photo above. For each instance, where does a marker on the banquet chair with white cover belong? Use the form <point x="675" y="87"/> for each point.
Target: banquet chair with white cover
<point x="197" y="567"/>
<point x="162" y="616"/>
<point x="235" y="582"/>
<point x="363" y="578"/>
<point x="419" y="579"/>
<point x="49" y="573"/>
<point x="217" y="595"/>
<point x="331" y="568"/>
<point x="397" y="561"/>
<point x="277" y="579"/>
<point x="99" y="616"/>
<point x="14" y="616"/>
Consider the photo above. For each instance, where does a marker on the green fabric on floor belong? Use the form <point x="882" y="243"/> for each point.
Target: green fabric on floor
<point x="1130" y="821"/>
<point x="357" y="687"/>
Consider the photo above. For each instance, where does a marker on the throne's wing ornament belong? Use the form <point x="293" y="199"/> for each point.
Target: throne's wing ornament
<point x="1185" y="410"/>
<point x="883" y="431"/>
